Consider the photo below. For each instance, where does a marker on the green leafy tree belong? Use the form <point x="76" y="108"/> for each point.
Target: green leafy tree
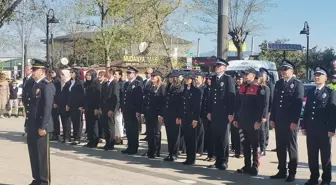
<point x="7" y="8"/>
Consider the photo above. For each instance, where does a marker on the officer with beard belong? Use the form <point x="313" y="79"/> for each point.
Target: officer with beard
<point x="220" y="112"/>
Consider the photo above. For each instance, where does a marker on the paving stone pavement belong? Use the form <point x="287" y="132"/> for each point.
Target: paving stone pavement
<point x="76" y="165"/>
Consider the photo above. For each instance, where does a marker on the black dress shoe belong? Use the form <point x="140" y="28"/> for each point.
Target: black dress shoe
<point x="290" y="178"/>
<point x="279" y="175"/>
<point x="223" y="167"/>
<point x="213" y="166"/>
<point x="124" y="151"/>
<point x="151" y="156"/>
<point x="325" y="183"/>
<point x="109" y="148"/>
<point x="188" y="163"/>
<point x="132" y="152"/>
<point x="254" y="171"/>
<point x="245" y="169"/>
<point x="34" y="182"/>
<point x="157" y="154"/>
<point x="311" y="182"/>
<point x="75" y="142"/>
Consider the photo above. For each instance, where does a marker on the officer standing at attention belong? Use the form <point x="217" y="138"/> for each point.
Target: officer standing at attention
<point x="40" y="123"/>
<point x="319" y="126"/>
<point x="251" y="114"/>
<point x="189" y="115"/>
<point x="285" y="114"/>
<point x="220" y="112"/>
<point x="132" y="110"/>
<point x="199" y="82"/>
<point x="28" y="83"/>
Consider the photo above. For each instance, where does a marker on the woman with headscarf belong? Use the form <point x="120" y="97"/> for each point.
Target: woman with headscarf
<point x="92" y="99"/>
<point x="4" y="94"/>
<point x="76" y="104"/>
<point x="56" y="80"/>
<point x="62" y="101"/>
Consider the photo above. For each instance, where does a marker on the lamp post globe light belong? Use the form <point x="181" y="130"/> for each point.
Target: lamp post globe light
<point x="50" y="18"/>
<point x="305" y="31"/>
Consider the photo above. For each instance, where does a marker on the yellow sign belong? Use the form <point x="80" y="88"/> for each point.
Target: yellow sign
<point x="233" y="48"/>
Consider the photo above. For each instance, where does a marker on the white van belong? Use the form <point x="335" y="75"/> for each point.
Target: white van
<point x="241" y="65"/>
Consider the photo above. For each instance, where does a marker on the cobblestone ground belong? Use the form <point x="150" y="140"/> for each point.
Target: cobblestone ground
<point x="76" y="165"/>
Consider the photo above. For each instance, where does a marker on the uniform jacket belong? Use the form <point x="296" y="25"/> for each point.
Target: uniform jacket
<point x="205" y="98"/>
<point x="156" y="101"/>
<point x="40" y="116"/>
<point x="319" y="116"/>
<point x="251" y="105"/>
<point x="76" y="95"/>
<point x="287" y="102"/>
<point x="57" y="83"/>
<point x="63" y="99"/>
<point x="133" y="98"/>
<point x="173" y="99"/>
<point x="190" y="106"/>
<point x="121" y="93"/>
<point x="110" y="96"/>
<point x="27" y="90"/>
<point x="271" y="89"/>
<point x="146" y="93"/>
<point x="92" y="95"/>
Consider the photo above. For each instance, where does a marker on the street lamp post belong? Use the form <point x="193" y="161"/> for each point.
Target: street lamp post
<point x="50" y="19"/>
<point x="305" y="31"/>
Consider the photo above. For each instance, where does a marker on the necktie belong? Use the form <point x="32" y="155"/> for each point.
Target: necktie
<point x="317" y="91"/>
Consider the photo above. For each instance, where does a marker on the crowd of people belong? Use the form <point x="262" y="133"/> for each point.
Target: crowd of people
<point x="198" y="111"/>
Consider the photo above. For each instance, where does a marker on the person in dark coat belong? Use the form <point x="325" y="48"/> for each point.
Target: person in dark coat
<point x="40" y="124"/>
<point x="76" y="104"/>
<point x="173" y="97"/>
<point x="132" y="110"/>
<point x="147" y="85"/>
<point x="235" y="138"/>
<point x="251" y="114"/>
<point x="55" y="77"/>
<point x="266" y="75"/>
<point x="102" y="79"/>
<point x="318" y="125"/>
<point x="209" y="144"/>
<point x="118" y="117"/>
<point x="62" y="102"/>
<point x="109" y="106"/>
<point x="154" y="115"/>
<point x="92" y="102"/>
<point x="220" y="112"/>
<point x="262" y="132"/>
<point x="199" y="83"/>
<point x="189" y="115"/>
<point x="285" y="114"/>
<point x="28" y="83"/>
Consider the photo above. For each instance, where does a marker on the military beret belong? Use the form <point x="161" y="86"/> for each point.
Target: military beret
<point x="221" y="62"/>
<point x="132" y="70"/>
<point x="38" y="64"/>
<point x="285" y="64"/>
<point x="321" y="70"/>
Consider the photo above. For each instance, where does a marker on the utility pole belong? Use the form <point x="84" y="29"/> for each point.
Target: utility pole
<point x="198" y="47"/>
<point x="223" y="29"/>
<point x="23" y="62"/>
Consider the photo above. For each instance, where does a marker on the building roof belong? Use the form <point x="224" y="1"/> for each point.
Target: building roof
<point x="90" y="35"/>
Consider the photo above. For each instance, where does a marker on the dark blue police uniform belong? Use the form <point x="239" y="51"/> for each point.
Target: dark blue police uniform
<point x="286" y="109"/>
<point x="318" y="119"/>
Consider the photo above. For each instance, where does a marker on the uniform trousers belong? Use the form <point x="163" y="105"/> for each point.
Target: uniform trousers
<point x="77" y="124"/>
<point x="221" y="138"/>
<point x="132" y="131"/>
<point x="101" y="127"/>
<point x="315" y="144"/>
<point x="92" y="127"/>
<point x="200" y="137"/>
<point x="262" y="137"/>
<point x="109" y="129"/>
<point x="39" y="154"/>
<point x="153" y="130"/>
<point x="286" y="140"/>
<point x="209" y="144"/>
<point x="235" y="139"/>
<point x="190" y="136"/>
<point x="57" y="126"/>
<point x="173" y="131"/>
<point x="251" y="142"/>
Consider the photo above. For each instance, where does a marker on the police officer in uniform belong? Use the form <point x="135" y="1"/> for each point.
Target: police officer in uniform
<point x="40" y="124"/>
<point x="285" y="114"/>
<point x="199" y="82"/>
<point x="28" y="83"/>
<point x="235" y="139"/>
<point x="251" y="114"/>
<point x="208" y="136"/>
<point x="318" y="125"/>
<point x="220" y="112"/>
<point x="132" y="110"/>
<point x="188" y="116"/>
